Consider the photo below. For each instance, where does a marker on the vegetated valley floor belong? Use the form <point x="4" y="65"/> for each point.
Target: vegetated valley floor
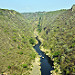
<point x="57" y="29"/>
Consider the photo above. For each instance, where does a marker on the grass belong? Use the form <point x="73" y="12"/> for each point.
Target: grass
<point x="17" y="37"/>
<point x="15" y="47"/>
<point x="58" y="34"/>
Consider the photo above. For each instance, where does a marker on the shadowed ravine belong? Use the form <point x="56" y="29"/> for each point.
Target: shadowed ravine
<point x="46" y="63"/>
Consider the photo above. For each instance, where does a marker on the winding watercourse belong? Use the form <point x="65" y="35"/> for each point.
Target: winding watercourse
<point x="46" y="63"/>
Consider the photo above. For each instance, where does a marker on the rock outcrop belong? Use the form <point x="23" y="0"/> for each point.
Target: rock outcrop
<point x="73" y="7"/>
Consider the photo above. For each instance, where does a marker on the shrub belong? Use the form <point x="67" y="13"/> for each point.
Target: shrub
<point x="24" y="40"/>
<point x="73" y="44"/>
<point x="5" y="30"/>
<point x="24" y="65"/>
<point x="73" y="70"/>
<point x="56" y="70"/>
<point x="22" y="36"/>
<point x="18" y="47"/>
<point x="31" y="41"/>
<point x="39" y="28"/>
<point x="33" y="55"/>
<point x="56" y="54"/>
<point x="14" y="30"/>
<point x="67" y="72"/>
<point x="14" y="39"/>
<point x="9" y="67"/>
<point x="21" y="53"/>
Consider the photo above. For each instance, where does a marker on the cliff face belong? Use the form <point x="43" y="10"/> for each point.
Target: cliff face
<point x="73" y="8"/>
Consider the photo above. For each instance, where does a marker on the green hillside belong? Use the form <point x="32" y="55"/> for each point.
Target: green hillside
<point x="56" y="28"/>
<point x="58" y="33"/>
<point x="16" y="52"/>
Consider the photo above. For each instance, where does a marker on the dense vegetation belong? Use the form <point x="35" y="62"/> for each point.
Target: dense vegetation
<point x="16" y="51"/>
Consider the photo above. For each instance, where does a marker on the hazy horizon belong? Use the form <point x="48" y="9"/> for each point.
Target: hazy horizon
<point x="36" y="6"/>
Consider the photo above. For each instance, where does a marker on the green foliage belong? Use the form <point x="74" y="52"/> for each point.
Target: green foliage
<point x="33" y="55"/>
<point x="74" y="70"/>
<point x="67" y="72"/>
<point x="31" y="41"/>
<point x="73" y="45"/>
<point x="24" y="40"/>
<point x="56" y="54"/>
<point x="21" y="53"/>
<point x="5" y="30"/>
<point x="14" y="30"/>
<point x="39" y="28"/>
<point x="24" y="65"/>
<point x="56" y="70"/>
<point x="14" y="74"/>
<point x="18" y="47"/>
<point x="22" y="36"/>
<point x="14" y="38"/>
<point x="9" y="67"/>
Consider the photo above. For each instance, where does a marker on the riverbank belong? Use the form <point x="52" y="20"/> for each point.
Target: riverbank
<point x="56" y="66"/>
<point x="36" y="66"/>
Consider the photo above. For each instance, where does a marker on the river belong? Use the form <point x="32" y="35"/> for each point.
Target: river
<point x="46" y="63"/>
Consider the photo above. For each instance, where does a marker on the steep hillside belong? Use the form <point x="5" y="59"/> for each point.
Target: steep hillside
<point x="16" y="39"/>
<point x="58" y="33"/>
<point x="33" y="18"/>
<point x="56" y="28"/>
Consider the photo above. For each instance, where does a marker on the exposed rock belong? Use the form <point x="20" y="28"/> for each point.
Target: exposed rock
<point x="36" y="67"/>
<point x="73" y="8"/>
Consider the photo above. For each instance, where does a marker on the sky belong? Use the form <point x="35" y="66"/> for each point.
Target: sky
<point x="36" y="5"/>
